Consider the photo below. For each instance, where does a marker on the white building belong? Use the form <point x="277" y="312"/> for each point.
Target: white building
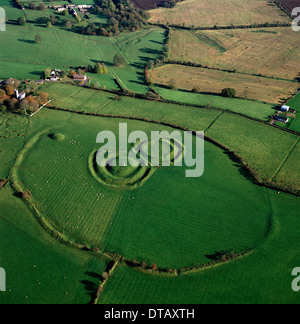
<point x="285" y="108"/>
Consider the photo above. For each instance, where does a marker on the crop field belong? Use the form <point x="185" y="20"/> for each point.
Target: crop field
<point x="271" y="52"/>
<point x="214" y="81"/>
<point x="210" y="13"/>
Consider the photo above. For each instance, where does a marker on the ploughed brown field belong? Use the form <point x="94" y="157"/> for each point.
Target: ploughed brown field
<point x="147" y="4"/>
<point x="290" y="4"/>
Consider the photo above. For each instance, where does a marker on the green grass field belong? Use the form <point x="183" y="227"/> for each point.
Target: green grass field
<point x="107" y="217"/>
<point x="249" y="108"/>
<point x="47" y="271"/>
<point x="65" y="220"/>
<point x="263" y="277"/>
<point x="263" y="147"/>
<point x="64" y="49"/>
<point x="295" y="104"/>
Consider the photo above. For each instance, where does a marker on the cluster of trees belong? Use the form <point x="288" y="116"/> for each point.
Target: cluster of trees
<point x="56" y="21"/>
<point x="36" y="6"/>
<point x="168" y="4"/>
<point x="8" y="101"/>
<point x="100" y="68"/>
<point x="18" y="4"/>
<point x="229" y="93"/>
<point x="122" y="16"/>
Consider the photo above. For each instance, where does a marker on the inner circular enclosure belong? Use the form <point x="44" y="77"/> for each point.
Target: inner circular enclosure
<point x="119" y="176"/>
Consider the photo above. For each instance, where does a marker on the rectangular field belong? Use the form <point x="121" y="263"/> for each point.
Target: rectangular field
<point x="208" y="13"/>
<point x="295" y="104"/>
<point x="271" y="52"/>
<point x="214" y="81"/>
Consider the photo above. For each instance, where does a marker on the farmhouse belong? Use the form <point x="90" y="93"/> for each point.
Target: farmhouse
<point x="78" y="77"/>
<point x="20" y="96"/>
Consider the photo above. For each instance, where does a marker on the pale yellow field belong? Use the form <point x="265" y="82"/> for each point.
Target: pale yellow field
<point x="271" y="52"/>
<point x="208" y="13"/>
<point x="247" y="86"/>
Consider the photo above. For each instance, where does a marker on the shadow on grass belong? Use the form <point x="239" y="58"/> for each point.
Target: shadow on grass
<point x="28" y="41"/>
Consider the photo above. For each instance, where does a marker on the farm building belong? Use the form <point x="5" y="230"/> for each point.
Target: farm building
<point x="73" y="12"/>
<point x="283" y="119"/>
<point x="78" y="77"/>
<point x="285" y="108"/>
<point x="61" y="9"/>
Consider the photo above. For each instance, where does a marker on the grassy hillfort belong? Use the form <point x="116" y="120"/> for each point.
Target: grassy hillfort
<point x="77" y="232"/>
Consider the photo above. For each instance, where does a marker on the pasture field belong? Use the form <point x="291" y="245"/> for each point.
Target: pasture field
<point x="288" y="165"/>
<point x="210" y="13"/>
<point x="250" y="280"/>
<point x="104" y="103"/>
<point x="8" y="149"/>
<point x="12" y="125"/>
<point x="64" y="49"/>
<point x="214" y="81"/>
<point x="271" y="52"/>
<point x="47" y="271"/>
<point x="249" y="108"/>
<point x="158" y="236"/>
<point x="295" y="104"/>
<point x="69" y="97"/>
<point x="88" y="212"/>
<point x="263" y="147"/>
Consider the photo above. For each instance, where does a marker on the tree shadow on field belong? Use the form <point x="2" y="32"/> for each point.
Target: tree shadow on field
<point x="156" y="42"/>
<point x="109" y="64"/>
<point x="28" y="41"/>
<point x="91" y="289"/>
<point x="91" y="286"/>
<point x="38" y="73"/>
<point x="243" y="171"/>
<point x="216" y="256"/>
<point x="12" y="22"/>
<point x="150" y="51"/>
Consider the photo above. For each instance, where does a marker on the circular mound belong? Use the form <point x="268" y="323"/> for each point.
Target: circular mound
<point x="12" y="125"/>
<point x="113" y="174"/>
<point x="163" y="150"/>
<point x="59" y="137"/>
